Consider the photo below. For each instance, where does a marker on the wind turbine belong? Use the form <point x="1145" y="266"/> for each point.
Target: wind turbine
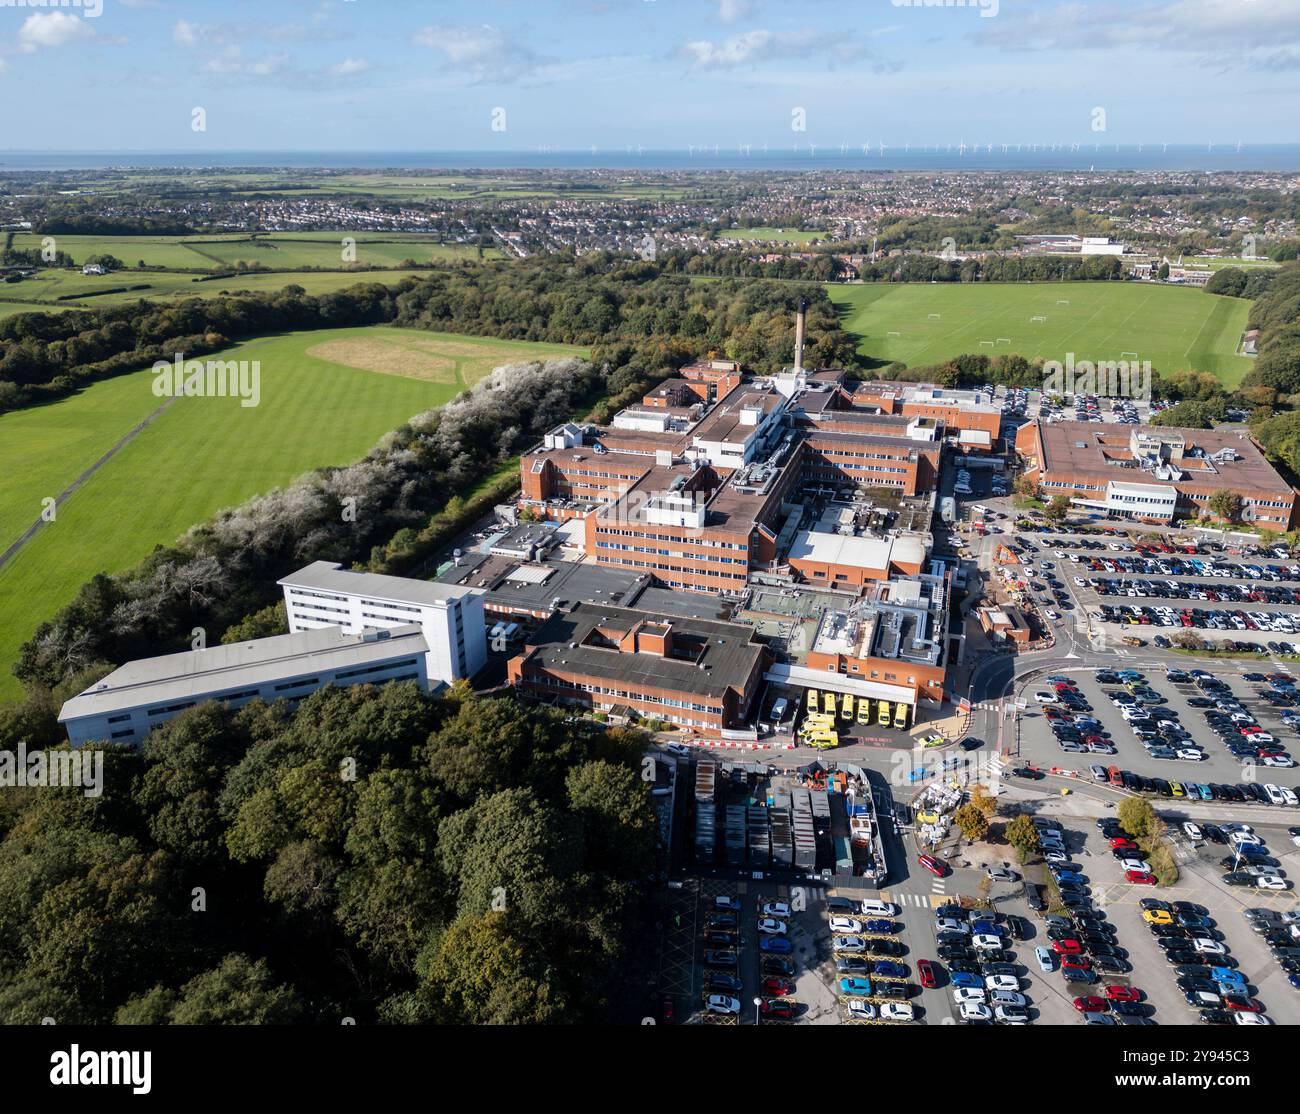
<point x="961" y="149"/>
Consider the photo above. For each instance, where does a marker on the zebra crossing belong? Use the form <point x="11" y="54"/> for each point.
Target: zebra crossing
<point x="918" y="901"/>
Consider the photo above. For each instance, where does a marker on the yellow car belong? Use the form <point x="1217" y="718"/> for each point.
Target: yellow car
<point x="883" y="719"/>
<point x="927" y="817"/>
<point x="1157" y="916"/>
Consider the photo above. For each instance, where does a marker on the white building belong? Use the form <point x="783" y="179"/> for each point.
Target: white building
<point x="325" y="594"/>
<point x="131" y="701"/>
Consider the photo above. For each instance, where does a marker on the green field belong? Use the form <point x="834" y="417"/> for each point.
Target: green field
<point x="780" y="235"/>
<point x="282" y="250"/>
<point x="326" y="398"/>
<point x="73" y="286"/>
<point x="8" y="309"/>
<point x="1171" y="327"/>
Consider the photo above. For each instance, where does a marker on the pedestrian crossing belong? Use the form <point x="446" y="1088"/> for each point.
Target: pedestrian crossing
<point x="915" y="901"/>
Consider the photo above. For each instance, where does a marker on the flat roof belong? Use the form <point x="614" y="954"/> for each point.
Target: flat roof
<point x="328" y="576"/>
<point x="857" y="552"/>
<point x="522" y="586"/>
<point x="1082" y="448"/>
<point x="197" y="674"/>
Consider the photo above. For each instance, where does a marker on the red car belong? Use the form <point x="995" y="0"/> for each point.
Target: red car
<point x="1075" y="963"/>
<point x="1241" y="1003"/>
<point x="668" y="1014"/>
<point x="933" y="865"/>
<point x="1123" y="843"/>
<point x="774" y="1007"/>
<point x="1139" y="877"/>
<point x="1067" y="947"/>
<point x="1251" y="729"/>
<point x="925" y="969"/>
<point x="777" y="987"/>
<point x="1116" y="993"/>
<point x="1091" y="1004"/>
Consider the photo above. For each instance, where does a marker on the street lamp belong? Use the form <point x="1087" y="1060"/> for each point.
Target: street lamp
<point x="757" y="1002"/>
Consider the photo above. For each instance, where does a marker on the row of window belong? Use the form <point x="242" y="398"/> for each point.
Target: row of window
<point x="550" y="681"/>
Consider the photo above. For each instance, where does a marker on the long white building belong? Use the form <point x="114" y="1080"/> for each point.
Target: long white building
<point x="452" y="617"/>
<point x="131" y="701"/>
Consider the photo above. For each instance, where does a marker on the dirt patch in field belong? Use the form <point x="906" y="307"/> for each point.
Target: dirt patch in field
<point x="462" y="350"/>
<point x="387" y="358"/>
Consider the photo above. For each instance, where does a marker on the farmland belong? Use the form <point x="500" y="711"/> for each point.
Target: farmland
<point x="927" y="323"/>
<point x="777" y="235"/>
<point x="203" y="454"/>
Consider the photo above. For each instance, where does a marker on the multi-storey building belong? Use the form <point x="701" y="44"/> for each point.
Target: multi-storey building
<point x="131" y="701"/>
<point x="452" y="617"/>
<point x="1154" y="473"/>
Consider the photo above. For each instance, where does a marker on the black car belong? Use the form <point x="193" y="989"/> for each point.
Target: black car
<point x="1187" y="959"/>
<point x="1128" y="1009"/>
<point x="954" y="951"/>
<point x="783" y="965"/>
<point x="1112" y="965"/>
<point x="966" y="966"/>
<point x="1217" y="1017"/>
<point x="971" y="743"/>
<point x="721" y="939"/>
<point x="887" y="948"/>
<point x="720" y="980"/>
<point x="852" y="964"/>
<point x="1028" y="773"/>
<point x="1018" y="927"/>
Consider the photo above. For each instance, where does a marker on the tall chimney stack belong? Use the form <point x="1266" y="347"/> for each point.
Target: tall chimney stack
<point x="798" y="339"/>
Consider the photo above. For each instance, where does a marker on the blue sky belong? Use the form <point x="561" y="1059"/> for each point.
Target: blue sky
<point x="412" y="75"/>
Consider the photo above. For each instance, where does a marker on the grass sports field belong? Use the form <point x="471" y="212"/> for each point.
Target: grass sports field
<point x="326" y="397"/>
<point x="781" y="235"/>
<point x="927" y="323"/>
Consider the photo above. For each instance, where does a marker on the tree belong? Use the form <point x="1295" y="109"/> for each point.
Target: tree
<point x="1057" y="508"/>
<point x="236" y="992"/>
<point x="983" y="800"/>
<point x="1137" y="816"/>
<point x="971" y="822"/>
<point x="1021" y="833"/>
<point x="1163" y="272"/>
<point x="1226" y="505"/>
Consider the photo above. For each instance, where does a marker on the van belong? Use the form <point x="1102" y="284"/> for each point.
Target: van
<point x="777" y="715"/>
<point x="872" y="908"/>
<point x="823" y="740"/>
<point x="828" y="702"/>
<point x="812" y="700"/>
<point x="883" y="719"/>
<point x="979" y="508"/>
<point x="900" y="716"/>
<point x="846" y="707"/>
<point x="864" y="712"/>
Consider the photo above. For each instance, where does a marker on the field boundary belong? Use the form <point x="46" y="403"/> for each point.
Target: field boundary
<point x="121" y="443"/>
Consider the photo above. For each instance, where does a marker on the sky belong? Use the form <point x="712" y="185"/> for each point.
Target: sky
<point x="482" y="75"/>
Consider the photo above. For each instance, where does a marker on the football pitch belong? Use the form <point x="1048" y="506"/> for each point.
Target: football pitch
<point x="928" y="323"/>
<point x="326" y="397"/>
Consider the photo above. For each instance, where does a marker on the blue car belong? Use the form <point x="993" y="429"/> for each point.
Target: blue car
<point x="860" y="988"/>
<point x="987" y="928"/>
<point x="779" y="944"/>
<point x="1294" y="980"/>
<point x="879" y="926"/>
<point x="1068" y="876"/>
<point x="1227" y="975"/>
<point x="962" y="979"/>
<point x="888" y="969"/>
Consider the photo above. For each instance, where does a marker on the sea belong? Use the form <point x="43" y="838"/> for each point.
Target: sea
<point x="1082" y="158"/>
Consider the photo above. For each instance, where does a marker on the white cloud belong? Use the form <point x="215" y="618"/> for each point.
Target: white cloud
<point x="729" y="11"/>
<point x="52" y="29"/>
<point x="482" y="52"/>
<point x="750" y="47"/>
<point x="349" y="67"/>
<point x="232" y="63"/>
<point x="186" y="33"/>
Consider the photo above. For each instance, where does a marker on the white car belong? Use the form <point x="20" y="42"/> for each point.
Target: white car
<point x="1056" y="855"/>
<point x="1136" y="864"/>
<point x="679" y="749"/>
<point x="1001" y="982"/>
<point x="770" y="926"/>
<point x="1282" y="761"/>
<point x="1053" y="615"/>
<point x="1191" y="754"/>
<point x="846" y="924"/>
<point x="1080" y="582"/>
<point x="1193" y="830"/>
<point x="721" y="1003"/>
<point x="984" y="943"/>
<point x="1046" y="962"/>
<point x="1244" y="829"/>
<point x="975" y="1011"/>
<point x="1271" y="882"/>
<point x="725" y="901"/>
<point x="1208" y="947"/>
<point x="1045" y="697"/>
<point x="1275" y="795"/>
<point x="1241" y="1017"/>
<point x="776" y="909"/>
<point x="969" y="994"/>
<point x="1008" y="998"/>
<point x="858" y="1010"/>
<point x="1010" y="1015"/>
<point x="898" y="1011"/>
